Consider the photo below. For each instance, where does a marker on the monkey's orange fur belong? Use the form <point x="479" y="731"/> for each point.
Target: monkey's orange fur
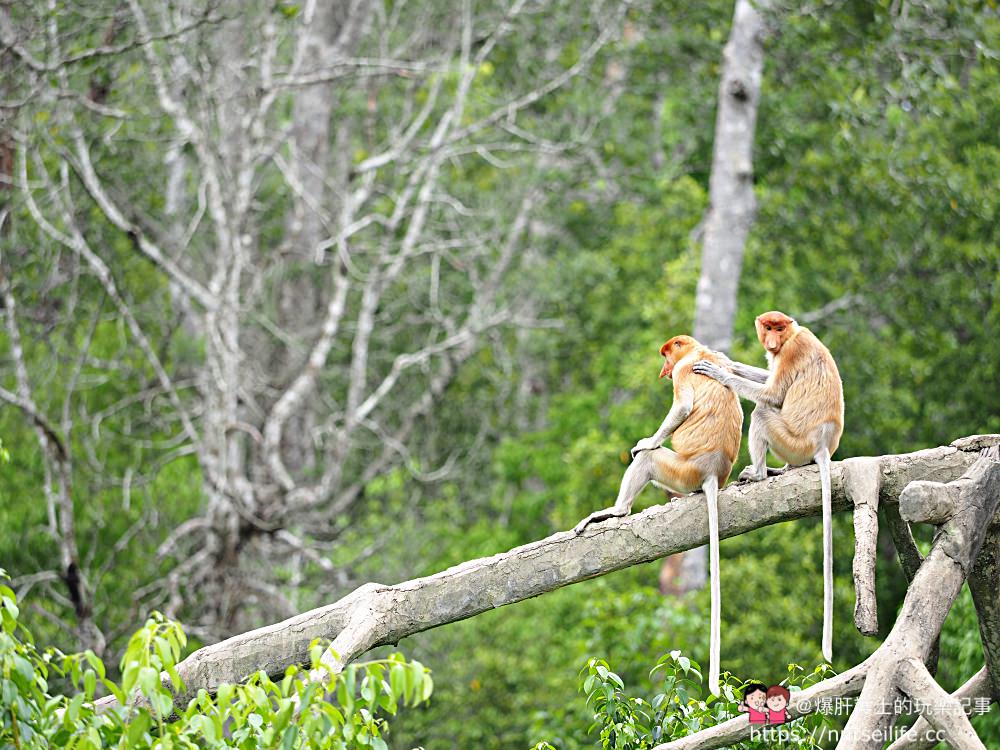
<point x="805" y="385"/>
<point x="708" y="441"/>
<point x="704" y="424"/>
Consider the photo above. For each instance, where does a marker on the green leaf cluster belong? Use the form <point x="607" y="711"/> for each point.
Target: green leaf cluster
<point x="622" y="721"/>
<point x="320" y="709"/>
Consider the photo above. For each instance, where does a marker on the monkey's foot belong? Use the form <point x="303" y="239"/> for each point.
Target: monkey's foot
<point x="777" y="472"/>
<point x="749" y="474"/>
<point x="599" y="515"/>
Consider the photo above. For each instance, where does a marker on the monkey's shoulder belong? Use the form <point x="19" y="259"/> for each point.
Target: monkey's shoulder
<point x="685" y="366"/>
<point x="808" y="344"/>
<point x="806" y="354"/>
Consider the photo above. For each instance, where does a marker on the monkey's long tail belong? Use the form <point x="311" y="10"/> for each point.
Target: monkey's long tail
<point x="823" y="459"/>
<point x="711" y="489"/>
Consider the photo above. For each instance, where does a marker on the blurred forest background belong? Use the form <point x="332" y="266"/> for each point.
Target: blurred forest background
<point x="297" y="296"/>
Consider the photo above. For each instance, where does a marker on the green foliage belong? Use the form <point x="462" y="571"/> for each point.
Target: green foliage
<point x="627" y="722"/>
<point x="346" y="711"/>
<point x="875" y="171"/>
<point x="623" y="721"/>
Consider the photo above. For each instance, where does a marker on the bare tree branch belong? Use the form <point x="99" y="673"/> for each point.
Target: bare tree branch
<point x="927" y="602"/>
<point x="917" y="737"/>
<point x="299" y="229"/>
<point x="938" y="707"/>
<point x="85" y="170"/>
<point x="984" y="583"/>
<point x="862" y="480"/>
<point x="377" y="614"/>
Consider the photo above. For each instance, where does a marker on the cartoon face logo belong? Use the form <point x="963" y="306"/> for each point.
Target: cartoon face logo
<point x="777" y="701"/>
<point x="756" y="700"/>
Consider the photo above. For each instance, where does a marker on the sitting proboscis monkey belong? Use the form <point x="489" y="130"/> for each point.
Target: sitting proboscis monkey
<point x="704" y="426"/>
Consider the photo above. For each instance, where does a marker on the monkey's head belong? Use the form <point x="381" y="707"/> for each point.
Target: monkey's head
<point x="673" y="352"/>
<point x="774" y="329"/>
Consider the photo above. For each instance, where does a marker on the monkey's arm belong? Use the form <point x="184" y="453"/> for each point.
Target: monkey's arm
<point x="756" y="374"/>
<point x="679" y="411"/>
<point x="639" y="472"/>
<point x="756" y="392"/>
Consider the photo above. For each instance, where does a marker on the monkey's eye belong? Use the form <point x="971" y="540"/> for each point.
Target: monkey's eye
<point x="779" y="329"/>
<point x="677" y="344"/>
<point x="767" y="328"/>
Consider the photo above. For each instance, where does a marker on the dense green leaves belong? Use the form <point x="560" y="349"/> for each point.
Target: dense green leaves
<point x="678" y="708"/>
<point x="343" y="711"/>
<point x="872" y="124"/>
<point x="875" y="170"/>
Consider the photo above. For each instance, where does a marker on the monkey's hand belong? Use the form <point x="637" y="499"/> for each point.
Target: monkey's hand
<point x="711" y="370"/>
<point x="646" y="444"/>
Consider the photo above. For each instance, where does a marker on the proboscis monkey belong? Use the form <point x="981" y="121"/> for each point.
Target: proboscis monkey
<point x="799" y="416"/>
<point x="704" y="424"/>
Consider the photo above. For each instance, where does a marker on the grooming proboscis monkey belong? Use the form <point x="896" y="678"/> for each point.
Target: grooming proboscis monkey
<point x="799" y="416"/>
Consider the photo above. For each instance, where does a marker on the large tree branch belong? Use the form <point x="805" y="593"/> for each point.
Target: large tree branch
<point x="928" y="600"/>
<point x="377" y="614"/>
<point x="861" y="483"/>
<point x="984" y="583"/>
<point x="918" y="737"/>
<point x="899" y="664"/>
<point x="942" y="710"/>
<point x="909" y="559"/>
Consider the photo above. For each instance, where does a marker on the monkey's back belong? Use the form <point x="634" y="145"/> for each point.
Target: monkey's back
<point x="716" y="419"/>
<point x="815" y="395"/>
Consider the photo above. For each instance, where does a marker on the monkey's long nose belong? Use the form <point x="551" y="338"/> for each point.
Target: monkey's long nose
<point x="666" y="370"/>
